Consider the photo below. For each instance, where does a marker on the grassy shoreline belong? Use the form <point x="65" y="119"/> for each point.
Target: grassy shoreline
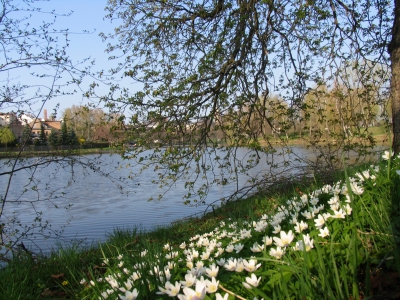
<point x="15" y="154"/>
<point x="352" y="264"/>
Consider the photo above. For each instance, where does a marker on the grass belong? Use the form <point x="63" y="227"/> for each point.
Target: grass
<point x="357" y="260"/>
<point x="77" y="151"/>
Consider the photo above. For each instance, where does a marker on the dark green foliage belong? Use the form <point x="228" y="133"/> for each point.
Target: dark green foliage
<point x="72" y="139"/>
<point x="63" y="135"/>
<point x="42" y="136"/>
<point x="395" y="216"/>
<point x="26" y="138"/>
<point x="53" y="138"/>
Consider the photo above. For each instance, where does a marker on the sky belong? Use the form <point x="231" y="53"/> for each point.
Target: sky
<point x="86" y="15"/>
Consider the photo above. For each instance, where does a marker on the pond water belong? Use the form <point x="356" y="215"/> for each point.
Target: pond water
<point x="88" y="200"/>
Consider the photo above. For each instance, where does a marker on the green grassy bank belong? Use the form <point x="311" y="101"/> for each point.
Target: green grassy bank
<point x="334" y="238"/>
<point x="55" y="152"/>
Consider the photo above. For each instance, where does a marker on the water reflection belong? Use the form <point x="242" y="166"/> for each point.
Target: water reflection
<point x="104" y="192"/>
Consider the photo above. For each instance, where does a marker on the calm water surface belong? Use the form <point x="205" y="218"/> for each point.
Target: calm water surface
<point x="90" y="205"/>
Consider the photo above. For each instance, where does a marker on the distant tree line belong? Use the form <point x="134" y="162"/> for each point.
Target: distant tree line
<point x="66" y="136"/>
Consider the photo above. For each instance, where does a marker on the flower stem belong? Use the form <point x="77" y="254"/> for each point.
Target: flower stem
<point x="232" y="293"/>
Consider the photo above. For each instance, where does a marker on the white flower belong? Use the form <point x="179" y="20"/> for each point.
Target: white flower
<point x="366" y="174"/>
<point x="219" y="251"/>
<point x="190" y="280"/>
<point x="221" y="262"/>
<point x="358" y="190"/>
<point x="219" y="297"/>
<point x="129" y="295"/>
<point x="387" y="155"/>
<point x="170" y="289"/>
<point x="339" y="214"/>
<point x="205" y="255"/>
<point x="252" y="281"/>
<point x="167" y="273"/>
<point x="171" y="255"/>
<point x="199" y="264"/>
<point x="128" y="286"/>
<point x="319" y="221"/>
<point x="211" y="286"/>
<point x="314" y="200"/>
<point x="267" y="240"/>
<point x="335" y="206"/>
<point x="171" y="265"/>
<point x="251" y="265"/>
<point x="308" y="215"/>
<point x="230" y="265"/>
<point x="245" y="234"/>
<point x="360" y="177"/>
<point x="285" y="239"/>
<point x="239" y="266"/>
<point x="277" y="253"/>
<point x="182" y="246"/>
<point x="197" y="294"/>
<point x="299" y="227"/>
<point x="324" y="232"/>
<point x="195" y="253"/>
<point x="293" y="220"/>
<point x="256" y="248"/>
<point x="126" y="271"/>
<point x="238" y="247"/>
<point x="348" y="209"/>
<point x="348" y="199"/>
<point x="135" y="276"/>
<point x="212" y="271"/>
<point x="261" y="226"/>
<point x="306" y="244"/>
<point x="335" y="199"/>
<point x="229" y="248"/>
<point x="112" y="282"/>
<point x="277" y="229"/>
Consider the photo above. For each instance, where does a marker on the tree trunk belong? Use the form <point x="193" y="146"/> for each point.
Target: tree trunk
<point x="394" y="50"/>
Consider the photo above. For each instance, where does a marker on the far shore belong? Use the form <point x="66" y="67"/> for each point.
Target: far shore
<point x="381" y="140"/>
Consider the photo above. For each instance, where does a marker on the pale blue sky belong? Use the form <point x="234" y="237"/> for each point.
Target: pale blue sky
<point x="87" y="15"/>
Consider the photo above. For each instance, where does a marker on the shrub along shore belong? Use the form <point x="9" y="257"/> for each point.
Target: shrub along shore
<point x="318" y="241"/>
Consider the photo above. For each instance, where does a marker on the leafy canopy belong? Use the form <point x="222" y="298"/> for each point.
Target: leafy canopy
<point x="207" y="71"/>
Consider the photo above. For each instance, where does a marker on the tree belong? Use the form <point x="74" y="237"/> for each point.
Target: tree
<point x="34" y="68"/>
<point x="72" y="139"/>
<point x="42" y="136"/>
<point x="26" y="138"/>
<point x="90" y="123"/>
<point x="197" y="61"/>
<point x="6" y="136"/>
<point x="63" y="134"/>
<point x="53" y="138"/>
<point x="394" y="51"/>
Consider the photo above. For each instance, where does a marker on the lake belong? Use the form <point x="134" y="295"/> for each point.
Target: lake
<point x="89" y="199"/>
